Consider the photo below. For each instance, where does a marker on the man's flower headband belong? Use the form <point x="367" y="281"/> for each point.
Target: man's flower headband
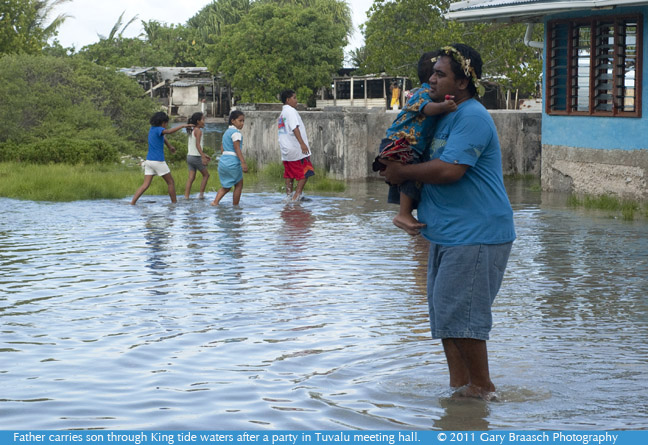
<point x="468" y="70"/>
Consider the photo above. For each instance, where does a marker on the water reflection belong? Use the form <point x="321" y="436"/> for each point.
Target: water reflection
<point x="297" y="221"/>
<point x="157" y="232"/>
<point x="306" y="316"/>
<point x="463" y="414"/>
<point x="229" y="238"/>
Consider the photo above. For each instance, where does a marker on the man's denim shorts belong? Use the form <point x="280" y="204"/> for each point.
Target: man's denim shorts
<point x="462" y="284"/>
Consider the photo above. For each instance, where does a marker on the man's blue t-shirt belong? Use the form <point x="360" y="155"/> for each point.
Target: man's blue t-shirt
<point x="155" y="144"/>
<point x="475" y="209"/>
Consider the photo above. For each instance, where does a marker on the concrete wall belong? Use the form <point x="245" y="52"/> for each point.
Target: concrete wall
<point x="187" y="100"/>
<point x="185" y="95"/>
<point x="344" y="142"/>
<point x="622" y="173"/>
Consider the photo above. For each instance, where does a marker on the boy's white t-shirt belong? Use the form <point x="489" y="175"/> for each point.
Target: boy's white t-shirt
<point x="290" y="148"/>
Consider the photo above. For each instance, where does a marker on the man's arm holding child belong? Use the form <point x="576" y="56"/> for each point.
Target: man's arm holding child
<point x="435" y="171"/>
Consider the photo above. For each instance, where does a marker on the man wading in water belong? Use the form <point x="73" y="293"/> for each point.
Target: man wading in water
<point x="466" y="215"/>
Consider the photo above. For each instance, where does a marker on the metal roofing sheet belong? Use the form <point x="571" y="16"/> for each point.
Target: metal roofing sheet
<point x="472" y="4"/>
<point x="482" y="4"/>
<point x="192" y="82"/>
<point x="505" y="10"/>
<point x="135" y="70"/>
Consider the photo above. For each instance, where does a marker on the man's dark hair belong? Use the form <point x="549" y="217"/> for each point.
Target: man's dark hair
<point x="158" y="119"/>
<point x="468" y="53"/>
<point x="286" y="94"/>
<point x="426" y="66"/>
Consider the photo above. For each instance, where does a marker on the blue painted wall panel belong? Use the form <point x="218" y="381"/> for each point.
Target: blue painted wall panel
<point x="620" y="133"/>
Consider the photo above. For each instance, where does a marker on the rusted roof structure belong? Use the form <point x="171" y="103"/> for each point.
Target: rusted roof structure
<point x="526" y="10"/>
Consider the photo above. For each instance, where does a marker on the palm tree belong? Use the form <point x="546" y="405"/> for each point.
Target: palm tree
<point x="210" y="20"/>
<point x="358" y="58"/>
<point x="44" y="9"/>
<point x="25" y="25"/>
<point x="118" y="24"/>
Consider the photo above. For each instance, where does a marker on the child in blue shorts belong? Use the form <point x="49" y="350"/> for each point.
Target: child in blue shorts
<point x="407" y="140"/>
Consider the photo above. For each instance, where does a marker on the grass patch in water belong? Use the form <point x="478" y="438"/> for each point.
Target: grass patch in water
<point x="531" y="182"/>
<point x="627" y="208"/>
<point x="62" y="182"/>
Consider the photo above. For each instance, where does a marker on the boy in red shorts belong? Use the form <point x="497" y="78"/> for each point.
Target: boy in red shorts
<point x="295" y="152"/>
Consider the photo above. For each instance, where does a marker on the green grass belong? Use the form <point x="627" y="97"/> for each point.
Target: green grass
<point x="628" y="209"/>
<point x="61" y="182"/>
<point x="532" y="182"/>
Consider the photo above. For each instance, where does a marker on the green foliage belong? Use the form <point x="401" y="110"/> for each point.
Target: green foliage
<point x="615" y="205"/>
<point x="164" y="45"/>
<point x="63" y="182"/>
<point x="61" y="149"/>
<point x="276" y="47"/>
<point x="398" y="32"/>
<point x="67" y="110"/>
<point x="208" y="22"/>
<point x="23" y="27"/>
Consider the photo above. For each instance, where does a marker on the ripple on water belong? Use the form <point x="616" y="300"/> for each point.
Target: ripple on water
<point x="309" y="316"/>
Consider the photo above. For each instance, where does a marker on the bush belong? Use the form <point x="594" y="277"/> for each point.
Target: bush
<point x="67" y="151"/>
<point x="68" y="110"/>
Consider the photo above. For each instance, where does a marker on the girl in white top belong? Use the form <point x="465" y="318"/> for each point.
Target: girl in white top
<point x="196" y="157"/>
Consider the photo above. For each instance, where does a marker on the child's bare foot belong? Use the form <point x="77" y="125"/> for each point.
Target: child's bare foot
<point x="408" y="223"/>
<point x="214" y="203"/>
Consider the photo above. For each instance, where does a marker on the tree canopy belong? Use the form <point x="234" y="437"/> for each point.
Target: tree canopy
<point x="163" y="45"/>
<point x="24" y="27"/>
<point x="57" y="109"/>
<point x="276" y="46"/>
<point x="397" y="32"/>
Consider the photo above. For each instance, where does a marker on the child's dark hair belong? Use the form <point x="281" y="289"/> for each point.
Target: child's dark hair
<point x="194" y="121"/>
<point x="285" y="95"/>
<point x="234" y="115"/>
<point x="426" y="66"/>
<point x="468" y="53"/>
<point x="158" y="119"/>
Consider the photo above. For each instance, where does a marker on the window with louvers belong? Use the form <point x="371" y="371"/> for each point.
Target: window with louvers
<point x="594" y="66"/>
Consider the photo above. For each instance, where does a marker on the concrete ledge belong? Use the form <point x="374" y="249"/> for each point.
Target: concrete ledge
<point x="344" y="141"/>
<point x="623" y="173"/>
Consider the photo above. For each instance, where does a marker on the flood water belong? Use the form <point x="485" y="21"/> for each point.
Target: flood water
<point x="308" y="316"/>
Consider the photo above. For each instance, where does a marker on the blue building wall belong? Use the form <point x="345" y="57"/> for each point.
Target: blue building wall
<point x="620" y="133"/>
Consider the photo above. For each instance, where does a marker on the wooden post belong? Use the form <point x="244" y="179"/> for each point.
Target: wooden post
<point x="334" y="92"/>
<point x="170" y="99"/>
<point x="365" y="91"/>
<point x="385" y="94"/>
<point x="220" y="99"/>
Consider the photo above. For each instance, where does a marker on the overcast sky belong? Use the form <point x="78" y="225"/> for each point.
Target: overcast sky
<point x="88" y="18"/>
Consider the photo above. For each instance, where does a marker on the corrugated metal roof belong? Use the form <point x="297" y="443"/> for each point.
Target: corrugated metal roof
<point x="473" y="4"/>
<point x="192" y="82"/>
<point x="135" y="70"/>
<point x="527" y="10"/>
